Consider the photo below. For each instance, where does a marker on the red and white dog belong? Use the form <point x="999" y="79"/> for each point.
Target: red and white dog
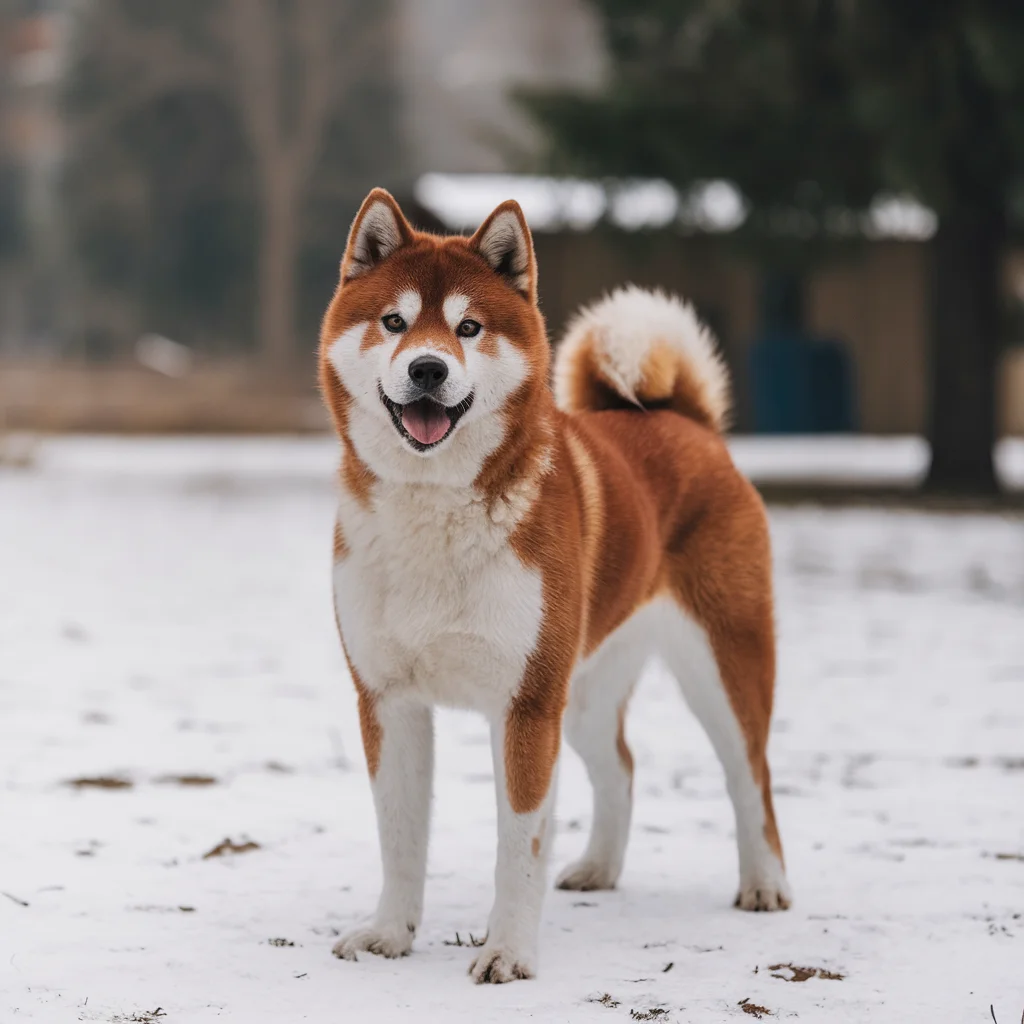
<point x="523" y="553"/>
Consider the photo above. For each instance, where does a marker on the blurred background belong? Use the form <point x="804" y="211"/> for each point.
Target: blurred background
<point x="835" y="183"/>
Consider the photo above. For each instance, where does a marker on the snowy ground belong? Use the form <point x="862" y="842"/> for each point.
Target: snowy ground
<point x="165" y="618"/>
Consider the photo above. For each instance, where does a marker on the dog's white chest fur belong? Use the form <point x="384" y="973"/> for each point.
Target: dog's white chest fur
<point x="432" y="599"/>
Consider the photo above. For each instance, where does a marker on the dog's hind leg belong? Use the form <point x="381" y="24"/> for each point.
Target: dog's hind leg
<point x="728" y="687"/>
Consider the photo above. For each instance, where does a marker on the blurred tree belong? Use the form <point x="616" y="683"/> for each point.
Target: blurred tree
<point x="812" y="107"/>
<point x="190" y="120"/>
<point x="11" y="182"/>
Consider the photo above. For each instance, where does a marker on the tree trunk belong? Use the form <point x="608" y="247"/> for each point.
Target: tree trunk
<point x="965" y="329"/>
<point x="276" y="276"/>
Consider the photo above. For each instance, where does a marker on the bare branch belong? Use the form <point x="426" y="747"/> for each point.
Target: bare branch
<point x="156" y="62"/>
<point x="338" y="41"/>
<point x="314" y="42"/>
<point x="248" y="29"/>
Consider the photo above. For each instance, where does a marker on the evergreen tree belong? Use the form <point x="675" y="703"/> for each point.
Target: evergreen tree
<point x="814" y="106"/>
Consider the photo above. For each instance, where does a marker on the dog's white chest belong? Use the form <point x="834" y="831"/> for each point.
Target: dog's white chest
<point x="432" y="600"/>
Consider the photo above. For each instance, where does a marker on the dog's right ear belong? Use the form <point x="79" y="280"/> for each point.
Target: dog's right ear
<point x="379" y="229"/>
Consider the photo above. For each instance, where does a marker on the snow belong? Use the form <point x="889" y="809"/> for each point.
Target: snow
<point x="462" y="201"/>
<point x="165" y="611"/>
<point x="226" y="461"/>
<point x="857" y="460"/>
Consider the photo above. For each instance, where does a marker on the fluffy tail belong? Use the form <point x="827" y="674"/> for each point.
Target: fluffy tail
<point x="636" y="348"/>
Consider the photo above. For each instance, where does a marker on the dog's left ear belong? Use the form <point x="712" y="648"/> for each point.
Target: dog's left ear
<point x="505" y="243"/>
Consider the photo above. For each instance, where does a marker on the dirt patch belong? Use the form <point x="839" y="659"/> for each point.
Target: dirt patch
<point x="1009" y="856"/>
<point x="280" y="942"/>
<point x="141" y="1017"/>
<point x="1007" y="764"/>
<point x="803" y="973"/>
<point x="229" y="847"/>
<point x="654" y="1013"/>
<point x="100" y="782"/>
<point x="157" y="908"/>
<point x="605" y="1000"/>
<point x="188" y="780"/>
<point x="753" y="1009"/>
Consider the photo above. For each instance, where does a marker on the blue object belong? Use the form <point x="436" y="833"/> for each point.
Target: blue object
<point x="801" y="384"/>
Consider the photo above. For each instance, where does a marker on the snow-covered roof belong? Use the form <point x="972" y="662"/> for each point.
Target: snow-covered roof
<point x="461" y="201"/>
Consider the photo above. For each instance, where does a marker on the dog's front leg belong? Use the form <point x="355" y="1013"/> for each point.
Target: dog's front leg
<point x="399" y="740"/>
<point x="524" y="743"/>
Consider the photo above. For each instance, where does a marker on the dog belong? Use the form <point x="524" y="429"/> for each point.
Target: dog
<point x="523" y="550"/>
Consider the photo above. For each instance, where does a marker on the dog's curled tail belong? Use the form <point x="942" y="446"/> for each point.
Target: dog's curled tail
<point x="642" y="349"/>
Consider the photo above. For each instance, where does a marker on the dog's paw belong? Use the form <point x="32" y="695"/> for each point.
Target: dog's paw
<point x="390" y="941"/>
<point x="497" y="964"/>
<point x="761" y="897"/>
<point x="586" y="876"/>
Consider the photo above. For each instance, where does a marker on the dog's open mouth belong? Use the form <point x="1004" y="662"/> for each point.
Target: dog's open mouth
<point x="425" y="423"/>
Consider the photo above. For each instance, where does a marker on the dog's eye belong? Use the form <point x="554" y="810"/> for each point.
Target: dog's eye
<point x="394" y="323"/>
<point x="468" y="329"/>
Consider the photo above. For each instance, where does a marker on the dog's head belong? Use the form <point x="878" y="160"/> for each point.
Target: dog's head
<point x="430" y="344"/>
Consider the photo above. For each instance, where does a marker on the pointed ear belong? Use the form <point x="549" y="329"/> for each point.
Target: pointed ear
<point x="379" y="229"/>
<point x="505" y="243"/>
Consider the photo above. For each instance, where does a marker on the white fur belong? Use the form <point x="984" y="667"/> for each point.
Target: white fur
<point x="687" y="652"/>
<point x="433" y="604"/>
<point x="599" y="686"/>
<point x="408" y="306"/>
<point x="435" y="608"/>
<point x="458" y="459"/>
<point x="455" y="306"/>
<point x="399" y="388"/>
<point x="623" y="327"/>
<point x="401" y="796"/>
<point x="520" y="877"/>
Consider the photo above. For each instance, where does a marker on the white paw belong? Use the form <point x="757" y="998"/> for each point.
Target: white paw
<point x="586" y="875"/>
<point x="497" y="964"/>
<point x="764" y="896"/>
<point x="390" y="941"/>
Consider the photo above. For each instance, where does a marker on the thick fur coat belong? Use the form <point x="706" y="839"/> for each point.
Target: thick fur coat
<point x="523" y="552"/>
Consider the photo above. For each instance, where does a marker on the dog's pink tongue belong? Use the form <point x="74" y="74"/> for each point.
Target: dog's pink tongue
<point x="426" y="421"/>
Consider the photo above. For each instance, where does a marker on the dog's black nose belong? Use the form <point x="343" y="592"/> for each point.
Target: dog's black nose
<point x="428" y="373"/>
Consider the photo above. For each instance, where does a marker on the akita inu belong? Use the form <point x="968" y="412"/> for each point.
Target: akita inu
<point x="523" y="552"/>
